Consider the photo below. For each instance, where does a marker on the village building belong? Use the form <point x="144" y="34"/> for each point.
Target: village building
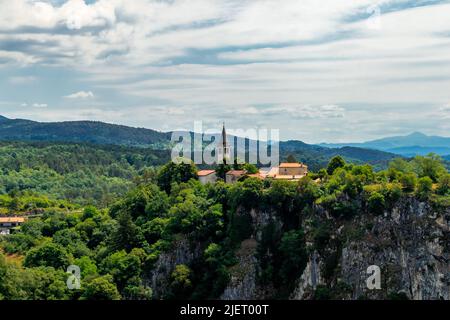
<point x="233" y="176"/>
<point x="207" y="176"/>
<point x="285" y="171"/>
<point x="11" y="222"/>
<point x="8" y="223"/>
<point x="288" y="171"/>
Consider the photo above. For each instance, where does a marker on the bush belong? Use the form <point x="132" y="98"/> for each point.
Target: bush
<point x="336" y="162"/>
<point x="424" y="188"/>
<point x="181" y="283"/>
<point x="293" y="256"/>
<point x="376" y="203"/>
<point x="409" y="182"/>
<point x="443" y="185"/>
<point x="101" y="288"/>
<point x="48" y="255"/>
<point x="322" y="293"/>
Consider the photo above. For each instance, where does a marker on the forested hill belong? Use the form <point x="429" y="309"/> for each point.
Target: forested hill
<point x="80" y="131"/>
<point x="317" y="157"/>
<point x="110" y="134"/>
<point x="80" y="173"/>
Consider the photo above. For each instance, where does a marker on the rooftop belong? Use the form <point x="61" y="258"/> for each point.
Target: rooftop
<point x="288" y="177"/>
<point x="291" y="165"/>
<point x="203" y="173"/>
<point x="236" y="172"/>
<point x="12" y="220"/>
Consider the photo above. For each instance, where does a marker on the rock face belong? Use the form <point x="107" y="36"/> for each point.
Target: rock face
<point x="242" y="284"/>
<point x="181" y="253"/>
<point x="310" y="278"/>
<point x="409" y="243"/>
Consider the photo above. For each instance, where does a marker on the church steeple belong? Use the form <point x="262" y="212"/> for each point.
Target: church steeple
<point x="224" y="136"/>
<point x="223" y="148"/>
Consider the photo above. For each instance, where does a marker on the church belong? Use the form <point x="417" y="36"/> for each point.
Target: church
<point x="285" y="171"/>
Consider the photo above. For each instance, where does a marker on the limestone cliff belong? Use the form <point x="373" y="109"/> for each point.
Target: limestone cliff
<point x="410" y="244"/>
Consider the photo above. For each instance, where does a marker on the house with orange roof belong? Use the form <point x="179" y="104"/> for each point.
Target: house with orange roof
<point x="288" y="171"/>
<point x="8" y="223"/>
<point x="233" y="176"/>
<point x="207" y="176"/>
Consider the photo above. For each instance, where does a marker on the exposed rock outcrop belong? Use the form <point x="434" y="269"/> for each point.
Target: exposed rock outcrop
<point x="242" y="285"/>
<point x="181" y="253"/>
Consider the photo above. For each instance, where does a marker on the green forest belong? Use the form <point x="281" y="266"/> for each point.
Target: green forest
<point x="114" y="212"/>
<point x="79" y="173"/>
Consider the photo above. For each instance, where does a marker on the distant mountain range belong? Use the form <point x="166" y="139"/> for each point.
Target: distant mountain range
<point x="110" y="134"/>
<point x="414" y="144"/>
<point x="80" y="131"/>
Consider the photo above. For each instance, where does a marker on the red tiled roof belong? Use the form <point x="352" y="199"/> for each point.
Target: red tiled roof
<point x="203" y="173"/>
<point x="256" y="175"/>
<point x="12" y="219"/>
<point x="236" y="172"/>
<point x="291" y="165"/>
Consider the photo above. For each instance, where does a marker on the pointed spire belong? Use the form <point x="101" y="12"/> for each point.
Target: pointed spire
<point x="224" y="136"/>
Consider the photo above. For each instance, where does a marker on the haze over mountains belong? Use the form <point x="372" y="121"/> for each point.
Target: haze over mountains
<point x="377" y="153"/>
<point x="416" y="143"/>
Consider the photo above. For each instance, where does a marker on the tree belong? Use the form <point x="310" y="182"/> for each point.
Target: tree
<point x="425" y="187"/>
<point x="238" y="165"/>
<point x="400" y="165"/>
<point x="127" y="234"/>
<point x="49" y="254"/>
<point x="176" y="173"/>
<point x="101" y="288"/>
<point x="222" y="169"/>
<point x="443" y="184"/>
<point x="154" y="229"/>
<point x="181" y="283"/>
<point x="429" y="166"/>
<point x="89" y="212"/>
<point x="250" y="192"/>
<point x="250" y="168"/>
<point x="336" y="162"/>
<point x="32" y="227"/>
<point x="376" y="203"/>
<point x="122" y="266"/>
<point x="408" y="181"/>
<point x="281" y="195"/>
<point x="293" y="256"/>
<point x="87" y="266"/>
<point x="291" y="159"/>
<point x="15" y="204"/>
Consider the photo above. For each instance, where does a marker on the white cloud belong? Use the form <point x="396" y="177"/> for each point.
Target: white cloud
<point x="80" y="95"/>
<point x="74" y="14"/>
<point x="305" y="112"/>
<point x="222" y="58"/>
<point x="40" y="105"/>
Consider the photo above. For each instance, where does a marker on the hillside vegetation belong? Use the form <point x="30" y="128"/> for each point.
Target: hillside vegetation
<point x="124" y="251"/>
<point x="78" y="173"/>
<point x="110" y="134"/>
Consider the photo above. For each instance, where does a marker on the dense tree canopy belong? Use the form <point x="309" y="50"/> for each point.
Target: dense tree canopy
<point x="119" y="247"/>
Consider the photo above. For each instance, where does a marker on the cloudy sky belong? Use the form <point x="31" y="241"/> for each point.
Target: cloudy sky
<point x="328" y="70"/>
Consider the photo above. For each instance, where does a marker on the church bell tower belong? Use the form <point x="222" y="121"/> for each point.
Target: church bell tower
<point x="223" y="149"/>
